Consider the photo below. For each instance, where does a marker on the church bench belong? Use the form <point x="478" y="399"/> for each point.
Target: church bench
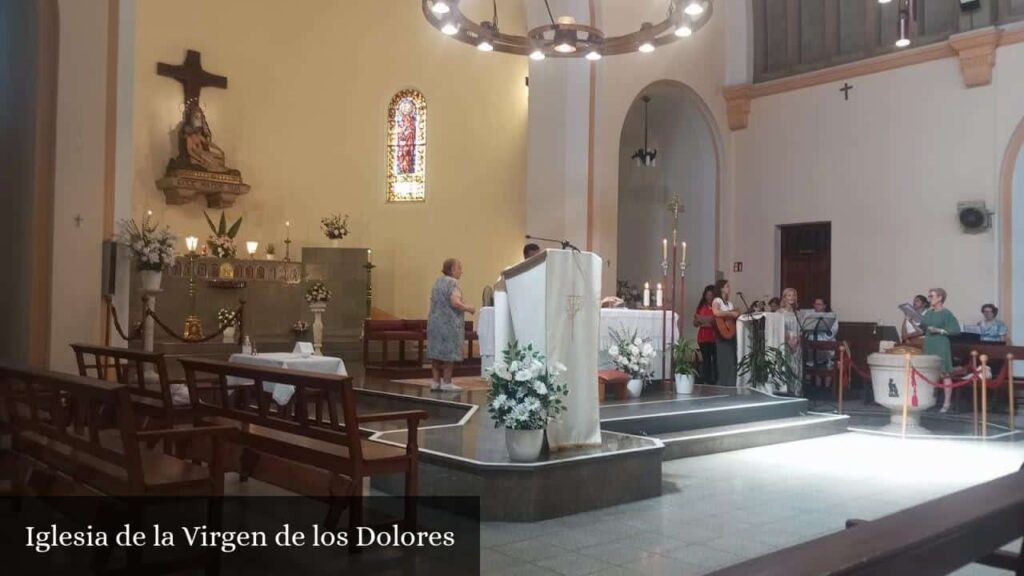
<point x="303" y="446"/>
<point x="102" y="447"/>
<point x="403" y="331"/>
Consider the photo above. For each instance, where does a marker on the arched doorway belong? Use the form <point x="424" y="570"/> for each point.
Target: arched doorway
<point x="688" y="167"/>
<point x="1011" y="238"/>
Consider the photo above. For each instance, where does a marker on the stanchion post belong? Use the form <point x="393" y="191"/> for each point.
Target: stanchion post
<point x="984" y="395"/>
<point x="1009" y="387"/>
<point x="974" y="390"/>
<point x="906" y="390"/>
<point x="842" y="377"/>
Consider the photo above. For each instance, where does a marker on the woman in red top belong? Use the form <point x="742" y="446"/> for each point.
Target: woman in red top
<point x="704" y="319"/>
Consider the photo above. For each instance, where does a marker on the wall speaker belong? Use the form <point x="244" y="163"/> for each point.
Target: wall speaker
<point x="108" y="278"/>
<point x="969" y="5"/>
<point x="974" y="217"/>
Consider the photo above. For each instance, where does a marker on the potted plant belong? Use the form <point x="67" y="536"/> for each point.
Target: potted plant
<point x="767" y="368"/>
<point x="684" y="363"/>
<point x="335" y="228"/>
<point x="526" y="393"/>
<point x="317" y="296"/>
<point x="222" y="240"/>
<point x="633" y="355"/>
<point x="226" y="321"/>
<point x="152" y="248"/>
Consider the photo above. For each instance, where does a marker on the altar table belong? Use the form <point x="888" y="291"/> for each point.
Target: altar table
<point x="647" y="322"/>
<point x="282" y="393"/>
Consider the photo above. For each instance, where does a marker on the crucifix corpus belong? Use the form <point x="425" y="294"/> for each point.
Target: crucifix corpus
<point x="200" y="168"/>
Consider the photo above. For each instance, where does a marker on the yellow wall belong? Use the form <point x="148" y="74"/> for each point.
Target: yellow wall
<point x="304" y="119"/>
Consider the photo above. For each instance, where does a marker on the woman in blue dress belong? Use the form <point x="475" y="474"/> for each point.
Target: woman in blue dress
<point x="446" y="326"/>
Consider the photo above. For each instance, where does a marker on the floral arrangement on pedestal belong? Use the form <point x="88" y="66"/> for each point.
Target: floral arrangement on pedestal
<point x="226" y="321"/>
<point x="222" y="240"/>
<point x="633" y="354"/>
<point x="318" y="293"/>
<point x="526" y="393"/>
<point x="150" y="245"/>
<point x="334" y="226"/>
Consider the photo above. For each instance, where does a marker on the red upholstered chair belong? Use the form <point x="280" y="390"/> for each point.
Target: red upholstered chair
<point x="613" y="378"/>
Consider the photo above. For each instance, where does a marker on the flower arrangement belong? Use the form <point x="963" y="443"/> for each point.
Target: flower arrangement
<point x="526" y="393"/>
<point x="226" y="318"/>
<point x="300" y="326"/>
<point x="632" y="354"/>
<point x="151" y="246"/>
<point x="222" y="240"/>
<point x="271" y="249"/>
<point x="318" y="293"/>
<point x="334" y="226"/>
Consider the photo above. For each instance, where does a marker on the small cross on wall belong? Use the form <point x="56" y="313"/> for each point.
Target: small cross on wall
<point x="846" y="90"/>
<point x="78" y="220"/>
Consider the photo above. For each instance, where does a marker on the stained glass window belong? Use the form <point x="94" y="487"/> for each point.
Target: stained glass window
<point x="407" y="147"/>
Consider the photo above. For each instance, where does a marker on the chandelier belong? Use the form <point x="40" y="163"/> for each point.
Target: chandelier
<point x="564" y="37"/>
<point x="645" y="156"/>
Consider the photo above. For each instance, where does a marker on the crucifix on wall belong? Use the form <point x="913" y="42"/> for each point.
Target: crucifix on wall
<point x="846" y="90"/>
<point x="200" y="168"/>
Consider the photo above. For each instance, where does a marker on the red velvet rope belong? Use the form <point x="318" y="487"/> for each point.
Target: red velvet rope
<point x="953" y="384"/>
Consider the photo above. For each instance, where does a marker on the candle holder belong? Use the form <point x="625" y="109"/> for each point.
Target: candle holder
<point x="193" y="326"/>
<point x="369" y="266"/>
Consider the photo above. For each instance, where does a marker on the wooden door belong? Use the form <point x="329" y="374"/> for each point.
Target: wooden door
<point x="807" y="261"/>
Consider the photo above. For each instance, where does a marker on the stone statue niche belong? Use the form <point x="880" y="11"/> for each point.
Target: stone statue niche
<point x="200" y="169"/>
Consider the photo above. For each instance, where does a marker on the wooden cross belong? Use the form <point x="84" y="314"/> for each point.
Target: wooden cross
<point x="846" y="90"/>
<point x="192" y="76"/>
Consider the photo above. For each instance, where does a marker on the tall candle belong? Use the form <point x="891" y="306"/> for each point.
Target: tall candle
<point x="664" y="249"/>
<point x="684" y="252"/>
<point x="369" y="256"/>
<point x="658" y="296"/>
<point x="287" y="230"/>
<point x="647" y="295"/>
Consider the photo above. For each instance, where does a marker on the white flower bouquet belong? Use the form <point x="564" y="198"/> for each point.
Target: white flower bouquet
<point x="526" y="393"/>
<point x="221" y="246"/>
<point x="633" y="354"/>
<point x="334" y="226"/>
<point x="318" y="293"/>
<point x="151" y="246"/>
<point x="226" y="317"/>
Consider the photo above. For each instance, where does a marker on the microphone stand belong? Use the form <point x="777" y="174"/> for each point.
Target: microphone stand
<point x="566" y="245"/>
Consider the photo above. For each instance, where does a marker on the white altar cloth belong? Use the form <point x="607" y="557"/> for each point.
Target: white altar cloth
<point x="648" y="322"/>
<point x="282" y="393"/>
<point x="774" y="334"/>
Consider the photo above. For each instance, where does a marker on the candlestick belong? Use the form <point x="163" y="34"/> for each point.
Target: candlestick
<point x="664" y="248"/>
<point x="369" y="255"/>
<point x="684" y="251"/>
<point x="658" y="297"/>
<point x="647" y="294"/>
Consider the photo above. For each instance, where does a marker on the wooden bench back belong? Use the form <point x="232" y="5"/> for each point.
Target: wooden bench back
<point x="129" y="368"/>
<point x="57" y="418"/>
<point x="336" y="389"/>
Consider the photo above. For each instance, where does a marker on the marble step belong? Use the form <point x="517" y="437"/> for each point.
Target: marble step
<point x="697" y="413"/>
<point x="688" y="443"/>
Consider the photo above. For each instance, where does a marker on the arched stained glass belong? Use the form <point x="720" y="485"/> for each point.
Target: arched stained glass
<point x="407" y="147"/>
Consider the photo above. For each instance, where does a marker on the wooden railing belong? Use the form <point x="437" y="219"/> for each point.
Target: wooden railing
<point x="936" y="537"/>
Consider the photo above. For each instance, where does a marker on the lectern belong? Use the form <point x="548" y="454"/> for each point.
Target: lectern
<point x="553" y="301"/>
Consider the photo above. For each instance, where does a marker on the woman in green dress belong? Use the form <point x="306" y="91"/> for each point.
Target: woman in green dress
<point x="938" y="325"/>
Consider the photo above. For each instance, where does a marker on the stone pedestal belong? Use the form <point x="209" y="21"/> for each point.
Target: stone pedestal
<point x="318" y="309"/>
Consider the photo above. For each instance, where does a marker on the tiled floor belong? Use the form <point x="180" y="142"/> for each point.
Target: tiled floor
<point x="720" y="509"/>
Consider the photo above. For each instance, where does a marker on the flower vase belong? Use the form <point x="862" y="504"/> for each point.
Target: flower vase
<point x="318" y="309"/>
<point x="684" y="383"/>
<point x="229" y="335"/>
<point x="150" y="280"/>
<point x="524" y="445"/>
<point x="335" y="242"/>
<point x="634" y="387"/>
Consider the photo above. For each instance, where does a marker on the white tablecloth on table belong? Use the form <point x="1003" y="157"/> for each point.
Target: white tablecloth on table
<point x="282" y="393"/>
<point x="774" y="335"/>
<point x="647" y="322"/>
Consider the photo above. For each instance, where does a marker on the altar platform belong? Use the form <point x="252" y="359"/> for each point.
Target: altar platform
<point x="466" y="455"/>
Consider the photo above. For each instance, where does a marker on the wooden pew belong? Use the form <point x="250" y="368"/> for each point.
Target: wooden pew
<point x="306" y="444"/>
<point x="403" y="331"/>
<point x="102" y="447"/>
<point x="936" y="537"/>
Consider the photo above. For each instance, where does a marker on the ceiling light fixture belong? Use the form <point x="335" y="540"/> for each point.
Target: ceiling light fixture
<point x="564" y="37"/>
<point x="645" y="156"/>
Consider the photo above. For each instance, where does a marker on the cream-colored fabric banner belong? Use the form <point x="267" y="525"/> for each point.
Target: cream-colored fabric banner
<point x="554" y="301"/>
<point x="774" y="337"/>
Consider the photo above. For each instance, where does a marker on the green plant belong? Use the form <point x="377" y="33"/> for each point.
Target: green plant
<point x="766" y="366"/>
<point x="684" y="357"/>
<point x="222" y="229"/>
